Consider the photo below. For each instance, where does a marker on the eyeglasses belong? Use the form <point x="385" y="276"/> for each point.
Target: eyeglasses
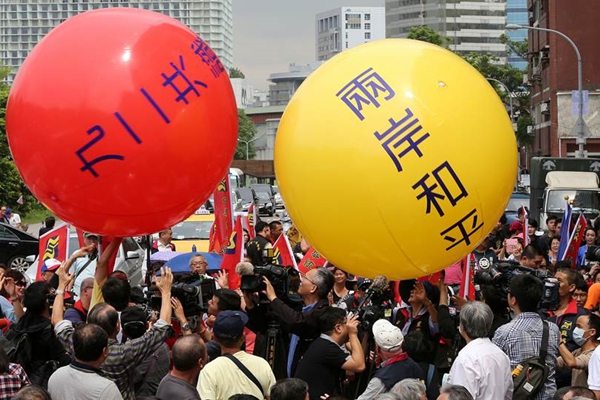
<point x="303" y="276"/>
<point x="199" y="263"/>
<point x="21" y="283"/>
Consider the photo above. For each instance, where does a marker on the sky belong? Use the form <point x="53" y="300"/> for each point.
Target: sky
<point x="268" y="35"/>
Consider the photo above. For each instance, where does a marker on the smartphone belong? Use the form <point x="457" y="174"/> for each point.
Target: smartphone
<point x="510" y="245"/>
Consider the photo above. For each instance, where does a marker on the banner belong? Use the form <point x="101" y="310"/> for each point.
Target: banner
<point x="223" y="213"/>
<point x="53" y="244"/>
<point x="311" y="260"/>
<point x="251" y="221"/>
<point x="283" y="254"/>
<point x="214" y="244"/>
<point x="565" y="232"/>
<point x="234" y="254"/>
<point x="575" y="241"/>
<point x="467" y="288"/>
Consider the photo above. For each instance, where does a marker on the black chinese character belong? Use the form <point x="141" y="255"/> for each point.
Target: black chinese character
<point x="402" y="134"/>
<point x="463" y="230"/>
<point x="451" y="191"/>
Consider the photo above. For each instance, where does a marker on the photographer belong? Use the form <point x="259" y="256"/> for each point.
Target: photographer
<point x="303" y="325"/>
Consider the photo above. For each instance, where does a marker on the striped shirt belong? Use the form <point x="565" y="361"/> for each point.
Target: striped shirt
<point x="521" y="339"/>
<point x="123" y="358"/>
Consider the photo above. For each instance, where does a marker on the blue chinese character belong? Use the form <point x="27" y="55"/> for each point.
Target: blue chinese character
<point x="208" y="56"/>
<point x="451" y="191"/>
<point x="187" y="86"/>
<point x="401" y="138"/>
<point x="89" y="165"/>
<point x="365" y="89"/>
<point x="462" y="230"/>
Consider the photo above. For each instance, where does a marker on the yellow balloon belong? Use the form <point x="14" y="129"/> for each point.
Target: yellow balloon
<point x="395" y="157"/>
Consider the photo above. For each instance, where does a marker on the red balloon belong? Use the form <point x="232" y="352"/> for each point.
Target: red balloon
<point x="122" y="121"/>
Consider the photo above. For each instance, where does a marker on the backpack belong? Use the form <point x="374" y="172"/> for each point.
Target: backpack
<point x="18" y="347"/>
<point x="532" y="377"/>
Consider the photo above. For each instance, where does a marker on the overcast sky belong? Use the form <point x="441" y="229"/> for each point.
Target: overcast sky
<point x="268" y="35"/>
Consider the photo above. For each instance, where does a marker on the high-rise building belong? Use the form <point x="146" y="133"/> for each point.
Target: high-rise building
<point x="285" y="84"/>
<point x="516" y="13"/>
<point x="552" y="74"/>
<point x="345" y="27"/>
<point x="470" y="26"/>
<point x="24" y="23"/>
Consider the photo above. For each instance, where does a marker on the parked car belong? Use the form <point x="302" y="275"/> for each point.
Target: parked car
<point x="517" y="199"/>
<point x="247" y="197"/>
<point x="131" y="259"/>
<point x="278" y="200"/>
<point x="15" y="246"/>
<point x="265" y="204"/>
<point x="195" y="230"/>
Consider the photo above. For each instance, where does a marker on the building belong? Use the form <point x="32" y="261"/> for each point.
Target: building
<point x="246" y="96"/>
<point x="517" y="13"/>
<point x="345" y="27"/>
<point x="266" y="120"/>
<point x="470" y="26"/>
<point x="285" y="84"/>
<point x="552" y="75"/>
<point x="24" y="23"/>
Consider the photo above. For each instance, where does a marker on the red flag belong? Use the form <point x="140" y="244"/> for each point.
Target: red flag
<point x="467" y="288"/>
<point x="214" y="244"/>
<point x="432" y="278"/>
<point x="251" y="221"/>
<point x="223" y="214"/>
<point x="234" y="254"/>
<point x="283" y="254"/>
<point x="311" y="260"/>
<point x="53" y="244"/>
<point x="575" y="242"/>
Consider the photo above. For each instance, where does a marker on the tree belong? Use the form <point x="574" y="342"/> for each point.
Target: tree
<point x="11" y="185"/>
<point x="520" y="48"/>
<point x="489" y="66"/>
<point x="426" y="34"/>
<point x="236" y="73"/>
<point x="246" y="132"/>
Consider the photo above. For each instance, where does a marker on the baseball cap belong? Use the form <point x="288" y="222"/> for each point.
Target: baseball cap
<point x="230" y="323"/>
<point x="515" y="226"/>
<point x="50" y="265"/>
<point x="387" y="336"/>
<point x="90" y="234"/>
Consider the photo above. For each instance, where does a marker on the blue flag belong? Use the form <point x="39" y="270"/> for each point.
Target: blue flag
<point x="565" y="232"/>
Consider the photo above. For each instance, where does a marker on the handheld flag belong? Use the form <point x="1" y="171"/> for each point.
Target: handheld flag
<point x="565" y="232"/>
<point x="233" y="254"/>
<point x="53" y="244"/>
<point x="251" y="221"/>
<point x="311" y="260"/>
<point x="575" y="241"/>
<point x="467" y="288"/>
<point x="223" y="212"/>
<point x="283" y="254"/>
<point x="214" y="244"/>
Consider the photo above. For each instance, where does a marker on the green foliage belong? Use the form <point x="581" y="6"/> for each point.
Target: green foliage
<point x="236" y="73"/>
<point x="11" y="184"/>
<point x="246" y="132"/>
<point x="426" y="34"/>
<point x="519" y="48"/>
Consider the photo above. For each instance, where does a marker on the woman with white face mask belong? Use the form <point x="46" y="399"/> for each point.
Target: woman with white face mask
<point x="586" y="336"/>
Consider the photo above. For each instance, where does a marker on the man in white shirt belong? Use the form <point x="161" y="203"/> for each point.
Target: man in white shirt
<point x="481" y="367"/>
<point x="13" y="218"/>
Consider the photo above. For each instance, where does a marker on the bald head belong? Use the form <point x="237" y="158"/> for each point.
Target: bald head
<point x="188" y="352"/>
<point x="106" y="317"/>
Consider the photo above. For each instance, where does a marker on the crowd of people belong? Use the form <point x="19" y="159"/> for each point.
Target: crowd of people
<point x="341" y="337"/>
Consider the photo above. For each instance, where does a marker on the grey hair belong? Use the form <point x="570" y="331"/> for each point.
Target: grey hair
<point x="196" y="256"/>
<point x="456" y="392"/>
<point x="323" y="279"/>
<point x="476" y="318"/>
<point x="409" y="389"/>
<point x="388" y="396"/>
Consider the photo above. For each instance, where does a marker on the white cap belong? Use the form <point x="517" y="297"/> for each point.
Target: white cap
<point x="387" y="336"/>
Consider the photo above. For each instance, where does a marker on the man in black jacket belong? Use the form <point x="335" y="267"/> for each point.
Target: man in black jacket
<point x="257" y="246"/>
<point x="303" y="325"/>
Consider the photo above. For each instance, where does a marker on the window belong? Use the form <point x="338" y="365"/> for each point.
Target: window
<point x="367" y="35"/>
<point x="368" y="25"/>
<point x="5" y="233"/>
<point x="346" y="44"/>
<point x="367" y="17"/>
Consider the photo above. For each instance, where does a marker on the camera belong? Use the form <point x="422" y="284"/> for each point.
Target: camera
<point x="501" y="274"/>
<point x="193" y="292"/>
<point x="285" y="281"/>
<point x="593" y="253"/>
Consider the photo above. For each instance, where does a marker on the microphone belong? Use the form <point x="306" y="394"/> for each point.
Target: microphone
<point x="244" y="268"/>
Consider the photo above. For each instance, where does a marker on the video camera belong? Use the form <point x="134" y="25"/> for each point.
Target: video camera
<point x="190" y="289"/>
<point x="376" y="304"/>
<point x="285" y="281"/>
<point x="593" y="253"/>
<point x="501" y="274"/>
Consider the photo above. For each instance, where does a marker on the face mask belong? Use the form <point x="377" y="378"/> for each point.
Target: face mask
<point x="578" y="336"/>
